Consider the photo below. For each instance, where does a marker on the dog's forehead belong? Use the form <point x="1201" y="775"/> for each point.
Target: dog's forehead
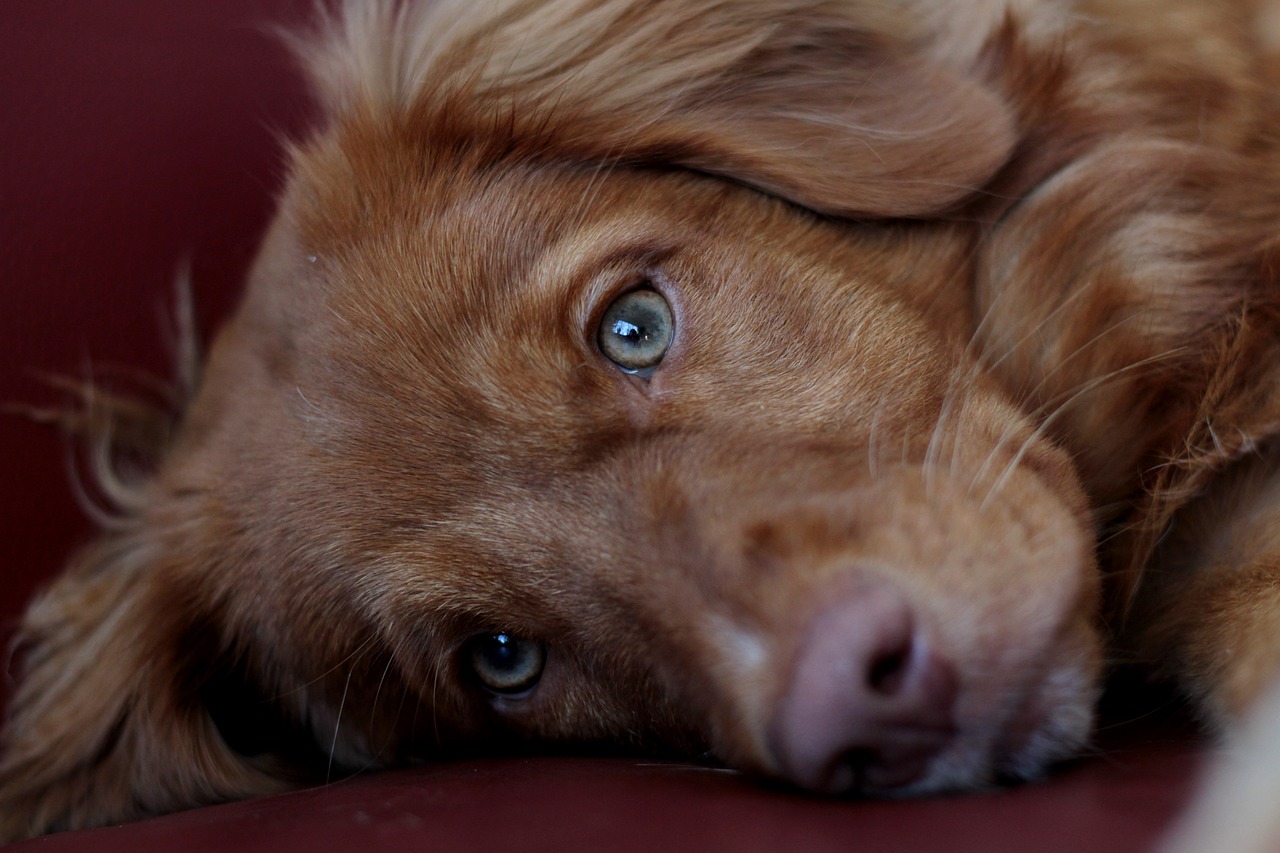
<point x="458" y="222"/>
<point x="455" y="293"/>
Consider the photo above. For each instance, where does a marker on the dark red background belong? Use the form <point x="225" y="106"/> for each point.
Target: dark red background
<point x="138" y="137"/>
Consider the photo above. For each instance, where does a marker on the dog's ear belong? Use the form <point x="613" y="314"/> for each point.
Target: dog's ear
<point x="843" y="128"/>
<point x="825" y="104"/>
<point x="107" y="722"/>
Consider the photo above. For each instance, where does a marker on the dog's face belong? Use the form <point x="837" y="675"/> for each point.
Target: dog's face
<point x="579" y="455"/>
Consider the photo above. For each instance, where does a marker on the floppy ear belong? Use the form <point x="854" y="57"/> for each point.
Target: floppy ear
<point x="854" y="130"/>
<point x="107" y="724"/>
<point x="816" y="102"/>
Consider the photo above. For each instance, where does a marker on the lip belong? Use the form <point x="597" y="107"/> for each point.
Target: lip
<point x="1040" y="732"/>
<point x="1016" y="736"/>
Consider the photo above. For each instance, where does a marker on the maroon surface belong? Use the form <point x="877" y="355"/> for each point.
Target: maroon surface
<point x="1111" y="805"/>
<point x="137" y="137"/>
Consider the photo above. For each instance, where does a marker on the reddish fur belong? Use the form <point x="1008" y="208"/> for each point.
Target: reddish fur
<point x="964" y="291"/>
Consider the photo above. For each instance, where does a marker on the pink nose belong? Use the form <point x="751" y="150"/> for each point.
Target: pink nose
<point x="869" y="703"/>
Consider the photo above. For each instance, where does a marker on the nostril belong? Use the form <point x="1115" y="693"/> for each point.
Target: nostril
<point x="888" y="668"/>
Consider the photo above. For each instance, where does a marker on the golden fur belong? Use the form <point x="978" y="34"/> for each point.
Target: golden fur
<point x="976" y="315"/>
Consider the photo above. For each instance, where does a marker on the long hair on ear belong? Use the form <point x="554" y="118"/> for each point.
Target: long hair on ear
<point x="105" y="724"/>
<point x="826" y="103"/>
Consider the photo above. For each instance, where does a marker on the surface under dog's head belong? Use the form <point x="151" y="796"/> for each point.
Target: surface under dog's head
<point x="605" y="378"/>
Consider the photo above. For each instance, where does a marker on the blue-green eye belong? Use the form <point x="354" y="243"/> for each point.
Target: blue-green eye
<point x="506" y="664"/>
<point x="636" y="330"/>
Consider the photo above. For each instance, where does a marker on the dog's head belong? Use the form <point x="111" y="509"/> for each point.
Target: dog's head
<point x="719" y="472"/>
<point x="606" y="376"/>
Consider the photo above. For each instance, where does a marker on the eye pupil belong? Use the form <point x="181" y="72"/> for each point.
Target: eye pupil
<point x="506" y="664"/>
<point x="500" y="651"/>
<point x="637" y="330"/>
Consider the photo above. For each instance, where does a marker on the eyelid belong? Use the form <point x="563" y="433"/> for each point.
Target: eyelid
<point x="592" y="283"/>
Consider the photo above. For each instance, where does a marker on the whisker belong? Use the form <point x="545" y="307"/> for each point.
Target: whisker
<point x="358" y="650"/>
<point x="373" y="707"/>
<point x="873" y="440"/>
<point x="1088" y="387"/>
<point x="337" y="724"/>
<point x="1039" y="326"/>
<point x="1029" y="395"/>
<point x="974" y="370"/>
<point x="933" y="449"/>
<point x="1065" y="360"/>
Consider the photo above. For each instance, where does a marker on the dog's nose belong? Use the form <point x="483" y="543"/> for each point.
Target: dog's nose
<point x="869" y="702"/>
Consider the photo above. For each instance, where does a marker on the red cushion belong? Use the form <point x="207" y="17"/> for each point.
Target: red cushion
<point x="1120" y="803"/>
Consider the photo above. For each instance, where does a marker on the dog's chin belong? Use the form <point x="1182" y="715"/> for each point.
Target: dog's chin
<point x="1050" y="723"/>
<point x="1050" y="727"/>
<point x="1053" y="725"/>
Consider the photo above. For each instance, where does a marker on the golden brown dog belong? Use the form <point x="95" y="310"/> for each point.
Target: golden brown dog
<point x="827" y="384"/>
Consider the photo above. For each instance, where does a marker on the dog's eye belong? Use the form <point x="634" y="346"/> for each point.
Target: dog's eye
<point x="636" y="331"/>
<point x="506" y="664"/>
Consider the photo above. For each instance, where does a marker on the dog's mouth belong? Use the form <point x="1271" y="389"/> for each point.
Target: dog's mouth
<point x="924" y="730"/>
<point x="1056" y="717"/>
<point x="914" y="741"/>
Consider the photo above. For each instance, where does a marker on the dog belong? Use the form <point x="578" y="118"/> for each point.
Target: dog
<point x="833" y="387"/>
